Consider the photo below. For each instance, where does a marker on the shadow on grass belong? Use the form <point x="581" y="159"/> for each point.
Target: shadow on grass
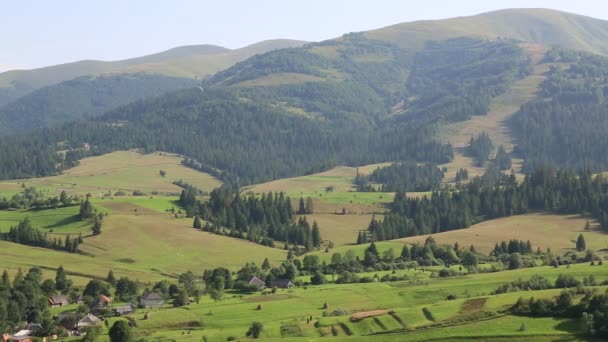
<point x="64" y="222"/>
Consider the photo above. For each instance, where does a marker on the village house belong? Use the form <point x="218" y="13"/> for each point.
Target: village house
<point x="58" y="300"/>
<point x="281" y="283"/>
<point x="152" y="300"/>
<point x="125" y="309"/>
<point x="101" y="302"/>
<point x="257" y="282"/>
<point x="87" y="322"/>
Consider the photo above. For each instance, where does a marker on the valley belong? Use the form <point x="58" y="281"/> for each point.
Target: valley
<point x="434" y="180"/>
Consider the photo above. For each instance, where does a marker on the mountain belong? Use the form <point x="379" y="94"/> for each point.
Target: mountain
<point x="541" y="26"/>
<point x="196" y="61"/>
<point x="83" y="97"/>
<point x="359" y="99"/>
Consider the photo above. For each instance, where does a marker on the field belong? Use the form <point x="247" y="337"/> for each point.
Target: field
<point x="125" y="171"/>
<point x="397" y="311"/>
<point x="144" y="240"/>
<point x="558" y="232"/>
<point x="141" y="241"/>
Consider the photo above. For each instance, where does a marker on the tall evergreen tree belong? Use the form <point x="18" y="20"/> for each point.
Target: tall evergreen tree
<point x="581" y="245"/>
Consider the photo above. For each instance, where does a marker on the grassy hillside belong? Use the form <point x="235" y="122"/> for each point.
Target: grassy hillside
<point x="142" y="242"/>
<point x="124" y="171"/>
<point x="557" y="232"/>
<point x="542" y="26"/>
<point x="194" y="62"/>
<point x="397" y="311"/>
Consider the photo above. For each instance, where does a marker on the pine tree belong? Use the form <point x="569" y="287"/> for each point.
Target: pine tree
<point x="266" y="264"/>
<point x="373" y="249"/>
<point x="86" y="210"/>
<point x="96" y="228"/>
<point x="405" y="253"/>
<point x="581" y="246"/>
<point x="110" y="279"/>
<point x="302" y="207"/>
<point x="316" y="234"/>
<point x="309" y="206"/>
<point x="197" y="223"/>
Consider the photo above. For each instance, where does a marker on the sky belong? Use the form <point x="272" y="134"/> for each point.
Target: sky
<point x="41" y="33"/>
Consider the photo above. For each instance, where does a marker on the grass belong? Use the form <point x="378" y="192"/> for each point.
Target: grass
<point x="141" y="242"/>
<point x="341" y="229"/>
<point x="558" y="232"/>
<point x="291" y="308"/>
<point x="119" y="171"/>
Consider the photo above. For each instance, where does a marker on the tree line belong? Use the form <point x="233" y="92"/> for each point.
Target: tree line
<point x="261" y="219"/>
<point x="546" y="190"/>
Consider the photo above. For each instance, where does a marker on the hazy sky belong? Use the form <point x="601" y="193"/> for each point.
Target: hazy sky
<point x="40" y="33"/>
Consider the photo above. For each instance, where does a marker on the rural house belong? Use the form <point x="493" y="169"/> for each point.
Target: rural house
<point x="88" y="321"/>
<point x="101" y="302"/>
<point x="152" y="300"/>
<point x="125" y="309"/>
<point x="58" y="300"/>
<point x="281" y="283"/>
<point x="257" y="282"/>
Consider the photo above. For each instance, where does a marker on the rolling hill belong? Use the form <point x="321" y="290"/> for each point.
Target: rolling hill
<point x="542" y="26"/>
<point x="195" y="62"/>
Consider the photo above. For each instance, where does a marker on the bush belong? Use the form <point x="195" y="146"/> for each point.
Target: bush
<point x="566" y="280"/>
<point x="255" y="330"/>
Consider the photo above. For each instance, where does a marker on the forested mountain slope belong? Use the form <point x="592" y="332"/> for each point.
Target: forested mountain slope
<point x="567" y="125"/>
<point x="196" y="61"/>
<point x="257" y="133"/>
<point x="82" y="98"/>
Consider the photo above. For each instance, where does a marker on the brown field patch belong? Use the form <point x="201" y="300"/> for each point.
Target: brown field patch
<point x="558" y="232"/>
<point x="267" y="298"/>
<point x="365" y="314"/>
<point x="341" y="229"/>
<point x="472" y="305"/>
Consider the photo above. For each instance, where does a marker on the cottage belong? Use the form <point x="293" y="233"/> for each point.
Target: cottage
<point x="58" y="300"/>
<point x="152" y="300"/>
<point x="88" y="321"/>
<point x="257" y="282"/>
<point x="101" y="302"/>
<point x="281" y="283"/>
<point x="125" y="309"/>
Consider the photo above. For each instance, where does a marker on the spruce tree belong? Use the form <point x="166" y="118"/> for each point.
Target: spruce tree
<point x="110" y="279"/>
<point x="309" y="206"/>
<point x="316" y="234"/>
<point x="197" y="223"/>
<point x="581" y="246"/>
<point x="266" y="264"/>
<point x="302" y="207"/>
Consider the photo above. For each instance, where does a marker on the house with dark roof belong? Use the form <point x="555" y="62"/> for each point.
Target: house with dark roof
<point x="88" y="321"/>
<point x="281" y="283"/>
<point x="152" y="300"/>
<point x="125" y="309"/>
<point x="257" y="282"/>
<point x="58" y="300"/>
